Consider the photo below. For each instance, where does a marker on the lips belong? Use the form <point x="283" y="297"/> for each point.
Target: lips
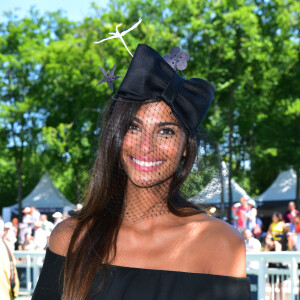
<point x="145" y="164"/>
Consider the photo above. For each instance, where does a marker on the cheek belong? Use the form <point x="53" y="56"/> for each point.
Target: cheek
<point x="126" y="144"/>
<point x="125" y="149"/>
<point x="173" y="150"/>
<point x="129" y="144"/>
<point x="170" y="151"/>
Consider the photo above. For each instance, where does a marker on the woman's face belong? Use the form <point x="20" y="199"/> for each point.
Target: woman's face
<point x="153" y="146"/>
<point x="275" y="219"/>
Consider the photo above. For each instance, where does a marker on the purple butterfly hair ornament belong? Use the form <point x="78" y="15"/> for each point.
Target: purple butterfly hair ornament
<point x="177" y="59"/>
<point x="108" y="77"/>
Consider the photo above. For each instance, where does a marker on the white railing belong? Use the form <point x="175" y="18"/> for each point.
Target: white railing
<point x="282" y="281"/>
<point x="270" y="281"/>
<point x="32" y="262"/>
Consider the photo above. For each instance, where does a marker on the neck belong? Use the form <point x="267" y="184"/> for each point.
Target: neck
<point x="145" y="202"/>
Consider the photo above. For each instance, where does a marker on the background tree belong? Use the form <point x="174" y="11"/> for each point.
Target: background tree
<point x="21" y="116"/>
<point x="50" y="104"/>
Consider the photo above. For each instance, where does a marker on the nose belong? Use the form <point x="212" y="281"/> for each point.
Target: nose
<point x="147" y="143"/>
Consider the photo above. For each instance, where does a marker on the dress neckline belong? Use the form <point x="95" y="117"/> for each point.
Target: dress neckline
<point x="157" y="270"/>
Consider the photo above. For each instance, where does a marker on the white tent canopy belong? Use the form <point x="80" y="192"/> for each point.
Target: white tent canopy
<point x="44" y="196"/>
<point x="205" y="196"/>
<point x="282" y="189"/>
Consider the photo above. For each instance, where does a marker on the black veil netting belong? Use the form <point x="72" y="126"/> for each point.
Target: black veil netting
<point x="147" y="164"/>
<point x="152" y="156"/>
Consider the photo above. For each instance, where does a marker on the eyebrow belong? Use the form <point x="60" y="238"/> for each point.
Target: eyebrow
<point x="160" y="124"/>
<point x="137" y="120"/>
<point x="168" y="123"/>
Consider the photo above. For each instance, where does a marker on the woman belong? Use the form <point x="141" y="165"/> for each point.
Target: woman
<point x="251" y="215"/>
<point x="275" y="233"/>
<point x="136" y="237"/>
<point x="294" y="237"/>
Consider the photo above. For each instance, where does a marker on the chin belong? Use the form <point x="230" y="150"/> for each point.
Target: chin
<point x="146" y="182"/>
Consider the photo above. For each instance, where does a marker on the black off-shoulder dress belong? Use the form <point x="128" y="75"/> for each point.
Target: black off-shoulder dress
<point x="128" y="283"/>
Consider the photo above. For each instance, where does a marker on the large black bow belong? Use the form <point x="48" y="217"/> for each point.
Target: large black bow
<point x="149" y="77"/>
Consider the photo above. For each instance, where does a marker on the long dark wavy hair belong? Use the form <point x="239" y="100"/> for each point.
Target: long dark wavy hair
<point x="93" y="243"/>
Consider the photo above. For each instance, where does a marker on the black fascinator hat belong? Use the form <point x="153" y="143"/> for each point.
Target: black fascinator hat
<point x="153" y="152"/>
<point x="150" y="77"/>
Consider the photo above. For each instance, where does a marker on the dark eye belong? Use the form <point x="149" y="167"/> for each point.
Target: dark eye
<point x="133" y="127"/>
<point x="167" y="131"/>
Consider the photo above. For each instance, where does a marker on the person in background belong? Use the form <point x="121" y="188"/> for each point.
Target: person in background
<point x="40" y="236"/>
<point x="286" y="235"/>
<point x="15" y="225"/>
<point x="57" y="216"/>
<point x="275" y="233"/>
<point x="294" y="237"/>
<point x="9" y="281"/>
<point x="257" y="230"/>
<point x="28" y="243"/>
<point x="47" y="226"/>
<point x="252" y="244"/>
<point x="27" y="218"/>
<point x="9" y="235"/>
<point x="289" y="219"/>
<point x="35" y="214"/>
<point x="23" y="230"/>
<point x="234" y="208"/>
<point x="251" y="215"/>
<point x="241" y="213"/>
<point x="1" y="226"/>
<point x="290" y="215"/>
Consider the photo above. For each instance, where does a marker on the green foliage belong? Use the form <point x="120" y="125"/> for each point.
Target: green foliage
<point x="203" y="171"/>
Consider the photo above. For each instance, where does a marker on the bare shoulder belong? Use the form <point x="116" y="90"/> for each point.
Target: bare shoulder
<point x="221" y="232"/>
<point x="221" y="246"/>
<point x="61" y="236"/>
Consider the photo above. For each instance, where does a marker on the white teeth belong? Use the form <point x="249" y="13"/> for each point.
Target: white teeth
<point x="147" y="163"/>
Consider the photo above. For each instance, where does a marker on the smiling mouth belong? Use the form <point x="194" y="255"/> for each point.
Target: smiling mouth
<point x="147" y="163"/>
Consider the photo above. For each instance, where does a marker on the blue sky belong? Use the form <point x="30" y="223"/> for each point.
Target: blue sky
<point x="75" y="10"/>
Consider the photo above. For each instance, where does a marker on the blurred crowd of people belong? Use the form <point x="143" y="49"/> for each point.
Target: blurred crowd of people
<point x="283" y="233"/>
<point x="33" y="232"/>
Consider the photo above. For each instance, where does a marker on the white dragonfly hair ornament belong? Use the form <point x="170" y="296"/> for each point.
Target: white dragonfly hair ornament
<point x="119" y="35"/>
